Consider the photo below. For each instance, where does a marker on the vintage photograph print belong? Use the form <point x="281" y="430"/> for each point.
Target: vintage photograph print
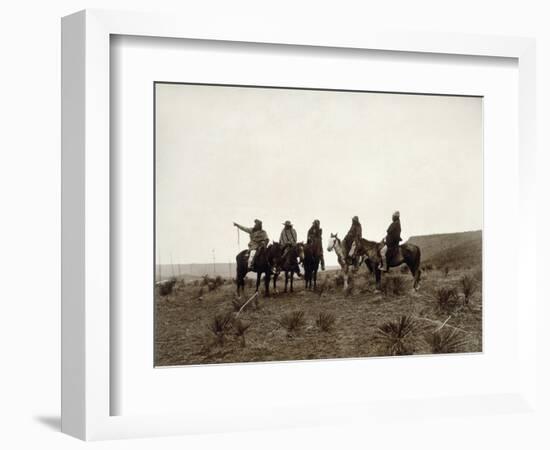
<point x="298" y="224"/>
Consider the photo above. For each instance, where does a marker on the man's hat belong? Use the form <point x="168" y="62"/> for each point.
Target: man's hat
<point x="396" y="214"/>
<point x="355" y="218"/>
<point x="287" y="223"/>
<point x="257" y="221"/>
<point x="316" y="221"/>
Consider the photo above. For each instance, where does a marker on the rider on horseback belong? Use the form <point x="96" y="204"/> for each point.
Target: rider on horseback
<point x="258" y="239"/>
<point x="288" y="239"/>
<point x="315" y="238"/>
<point x="391" y="242"/>
<point x="353" y="238"/>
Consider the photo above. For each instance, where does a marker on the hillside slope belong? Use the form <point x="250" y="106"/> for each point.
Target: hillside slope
<point x="455" y="250"/>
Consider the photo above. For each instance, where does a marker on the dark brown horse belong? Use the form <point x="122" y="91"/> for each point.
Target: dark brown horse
<point x="266" y="259"/>
<point x="289" y="264"/>
<point x="312" y="258"/>
<point x="405" y="253"/>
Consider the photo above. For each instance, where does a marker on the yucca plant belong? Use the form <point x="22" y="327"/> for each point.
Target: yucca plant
<point x="445" y="340"/>
<point x="325" y="321"/>
<point x="219" y="325"/>
<point x="292" y="321"/>
<point x="398" y="337"/>
<point x="446" y="297"/>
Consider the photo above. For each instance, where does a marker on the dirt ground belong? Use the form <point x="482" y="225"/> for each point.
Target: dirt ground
<point x="365" y="320"/>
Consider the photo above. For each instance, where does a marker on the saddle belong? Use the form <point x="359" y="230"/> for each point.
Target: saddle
<point x="394" y="254"/>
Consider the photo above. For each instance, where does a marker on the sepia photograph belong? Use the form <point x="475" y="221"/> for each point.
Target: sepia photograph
<point x="298" y="224"/>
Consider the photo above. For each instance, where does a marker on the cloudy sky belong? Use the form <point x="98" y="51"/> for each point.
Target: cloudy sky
<point x="227" y="154"/>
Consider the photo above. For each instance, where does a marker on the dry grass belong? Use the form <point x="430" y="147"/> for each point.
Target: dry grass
<point x="182" y="322"/>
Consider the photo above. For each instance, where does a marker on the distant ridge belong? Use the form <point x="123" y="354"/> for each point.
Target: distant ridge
<point x="455" y="250"/>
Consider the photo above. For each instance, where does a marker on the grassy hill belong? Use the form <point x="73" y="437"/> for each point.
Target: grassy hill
<point x="453" y="250"/>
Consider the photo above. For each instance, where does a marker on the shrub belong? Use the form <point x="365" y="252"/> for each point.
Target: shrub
<point x="468" y="286"/>
<point x="219" y="325"/>
<point x="446" y="297"/>
<point x="205" y="280"/>
<point x="339" y="280"/>
<point x="446" y="271"/>
<point x="398" y="337"/>
<point x="428" y="267"/>
<point x="445" y="340"/>
<point x="292" y="321"/>
<point x="166" y="286"/>
<point x="219" y="281"/>
<point x="325" y="321"/>
<point x="404" y="269"/>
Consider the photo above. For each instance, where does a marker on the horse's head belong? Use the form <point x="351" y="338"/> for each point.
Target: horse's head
<point x="300" y="250"/>
<point x="332" y="241"/>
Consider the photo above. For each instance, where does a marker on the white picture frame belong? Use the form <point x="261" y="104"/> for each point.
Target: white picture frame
<point x="86" y="246"/>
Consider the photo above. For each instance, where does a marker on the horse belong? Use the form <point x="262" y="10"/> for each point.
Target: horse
<point x="369" y="252"/>
<point x="312" y="257"/>
<point x="266" y="258"/>
<point x="289" y="264"/>
<point x="334" y="243"/>
<point x="406" y="253"/>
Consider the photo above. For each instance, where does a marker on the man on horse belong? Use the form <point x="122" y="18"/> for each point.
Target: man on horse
<point x="315" y="238"/>
<point x="288" y="240"/>
<point x="258" y="240"/>
<point x="353" y="238"/>
<point x="391" y="242"/>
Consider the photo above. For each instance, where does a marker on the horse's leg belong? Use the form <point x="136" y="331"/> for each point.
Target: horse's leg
<point x="291" y="281"/>
<point x="286" y="281"/>
<point x="258" y="278"/>
<point x="266" y="281"/>
<point x="345" y="273"/>
<point x="377" y="276"/>
<point x="414" y="267"/>
<point x="314" y="276"/>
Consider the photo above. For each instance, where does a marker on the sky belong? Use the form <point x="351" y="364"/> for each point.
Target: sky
<point x="232" y="154"/>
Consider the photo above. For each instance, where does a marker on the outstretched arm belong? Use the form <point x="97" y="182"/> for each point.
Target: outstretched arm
<point x="240" y="227"/>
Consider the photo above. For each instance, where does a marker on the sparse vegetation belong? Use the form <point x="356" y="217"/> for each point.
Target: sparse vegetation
<point x="325" y="321"/>
<point x="446" y="271"/>
<point x="398" y="337"/>
<point x="446" y="340"/>
<point x="188" y="332"/>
